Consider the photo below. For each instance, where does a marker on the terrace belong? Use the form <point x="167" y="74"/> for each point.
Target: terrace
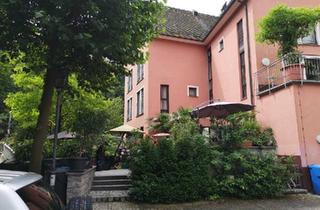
<point x="292" y="68"/>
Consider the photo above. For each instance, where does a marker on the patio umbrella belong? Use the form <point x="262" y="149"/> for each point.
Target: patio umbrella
<point x="221" y="109"/>
<point x="125" y="129"/>
<point x="64" y="135"/>
<point x="161" y="135"/>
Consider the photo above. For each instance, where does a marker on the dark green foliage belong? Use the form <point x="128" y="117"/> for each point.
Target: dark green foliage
<point x="94" y="40"/>
<point x="229" y="133"/>
<point x="244" y="175"/>
<point x="284" y="26"/>
<point x="184" y="168"/>
<point x="173" y="170"/>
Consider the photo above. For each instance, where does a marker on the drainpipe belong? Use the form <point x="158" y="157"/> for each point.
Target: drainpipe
<point x="245" y="3"/>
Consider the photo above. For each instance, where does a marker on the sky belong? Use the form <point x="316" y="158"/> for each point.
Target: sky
<point x="211" y="7"/>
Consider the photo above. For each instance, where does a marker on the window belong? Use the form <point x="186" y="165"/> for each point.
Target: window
<point x="140" y="98"/>
<point x="240" y="36"/>
<point x="243" y="76"/>
<point x="140" y="72"/>
<point x="221" y="45"/>
<point x="129" y="109"/>
<point x="193" y="91"/>
<point x="312" y="38"/>
<point x="242" y="60"/>
<point x="129" y="82"/>
<point x="210" y="83"/>
<point x="164" y="98"/>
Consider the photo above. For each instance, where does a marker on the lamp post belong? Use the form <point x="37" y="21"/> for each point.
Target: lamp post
<point x="60" y="83"/>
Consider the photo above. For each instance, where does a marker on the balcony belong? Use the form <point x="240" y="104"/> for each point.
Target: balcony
<point x="287" y="70"/>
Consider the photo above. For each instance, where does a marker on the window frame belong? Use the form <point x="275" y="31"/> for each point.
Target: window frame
<point x="195" y="87"/>
<point x="164" y="99"/>
<point x="140" y="102"/>
<point x="140" y="73"/>
<point x="129" y="111"/>
<point x="242" y="59"/>
<point x="129" y="82"/>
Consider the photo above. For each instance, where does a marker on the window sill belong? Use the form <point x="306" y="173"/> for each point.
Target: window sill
<point x="310" y="45"/>
<point x="138" y="82"/>
<point x="128" y="120"/>
<point x="139" y="115"/>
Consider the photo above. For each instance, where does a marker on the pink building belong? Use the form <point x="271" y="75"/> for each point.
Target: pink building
<point x="202" y="58"/>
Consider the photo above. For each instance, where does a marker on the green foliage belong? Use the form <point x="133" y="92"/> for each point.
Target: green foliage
<point x="244" y="175"/>
<point x="185" y="168"/>
<point x="236" y="128"/>
<point x="284" y="26"/>
<point x="95" y="39"/>
<point x="174" y="170"/>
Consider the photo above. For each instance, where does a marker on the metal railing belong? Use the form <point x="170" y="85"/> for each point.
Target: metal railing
<point x="292" y="67"/>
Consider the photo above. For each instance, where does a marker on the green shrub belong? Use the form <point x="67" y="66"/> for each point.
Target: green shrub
<point x="229" y="133"/>
<point x="244" y="175"/>
<point x="173" y="170"/>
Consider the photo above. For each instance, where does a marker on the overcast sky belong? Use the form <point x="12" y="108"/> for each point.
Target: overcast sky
<point x="212" y="7"/>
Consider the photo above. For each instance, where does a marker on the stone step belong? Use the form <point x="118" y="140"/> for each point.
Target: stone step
<point x="110" y="187"/>
<point x="110" y="196"/>
<point x="110" y="177"/>
<point x="112" y="182"/>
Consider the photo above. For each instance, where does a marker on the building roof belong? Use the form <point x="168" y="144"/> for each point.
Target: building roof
<point x="188" y="24"/>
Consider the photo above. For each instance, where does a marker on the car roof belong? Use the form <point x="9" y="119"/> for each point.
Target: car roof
<point x="18" y="179"/>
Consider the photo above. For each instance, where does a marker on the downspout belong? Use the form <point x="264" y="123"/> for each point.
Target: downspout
<point x="245" y="2"/>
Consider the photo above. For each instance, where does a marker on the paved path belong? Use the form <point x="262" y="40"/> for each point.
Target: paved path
<point x="295" y="202"/>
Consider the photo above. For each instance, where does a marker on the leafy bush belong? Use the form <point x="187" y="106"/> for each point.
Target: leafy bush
<point x="243" y="175"/>
<point x="173" y="170"/>
<point x="236" y="128"/>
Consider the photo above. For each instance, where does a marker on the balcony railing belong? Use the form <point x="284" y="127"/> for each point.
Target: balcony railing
<point x="290" y="68"/>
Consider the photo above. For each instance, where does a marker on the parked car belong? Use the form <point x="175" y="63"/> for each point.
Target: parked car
<point x="18" y="191"/>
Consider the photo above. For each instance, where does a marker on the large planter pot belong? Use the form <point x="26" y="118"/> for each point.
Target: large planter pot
<point x="293" y="72"/>
<point x="246" y="144"/>
<point x="79" y="164"/>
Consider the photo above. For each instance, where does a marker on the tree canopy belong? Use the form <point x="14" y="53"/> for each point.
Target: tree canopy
<point x="94" y="40"/>
<point x="284" y="25"/>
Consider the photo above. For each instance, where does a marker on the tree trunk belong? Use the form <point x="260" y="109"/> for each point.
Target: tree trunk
<point x="43" y="121"/>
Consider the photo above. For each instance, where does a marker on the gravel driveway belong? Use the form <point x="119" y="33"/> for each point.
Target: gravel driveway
<point x="301" y="202"/>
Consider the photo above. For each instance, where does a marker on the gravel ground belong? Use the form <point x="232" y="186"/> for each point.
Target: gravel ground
<point x="301" y="202"/>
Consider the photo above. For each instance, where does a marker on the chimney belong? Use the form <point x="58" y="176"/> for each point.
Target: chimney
<point x="224" y="7"/>
<point x="195" y="13"/>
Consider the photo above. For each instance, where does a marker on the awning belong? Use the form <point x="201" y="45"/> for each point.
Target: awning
<point x="125" y="129"/>
<point x="221" y="109"/>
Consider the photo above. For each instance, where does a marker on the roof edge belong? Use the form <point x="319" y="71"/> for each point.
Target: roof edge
<point x="180" y="39"/>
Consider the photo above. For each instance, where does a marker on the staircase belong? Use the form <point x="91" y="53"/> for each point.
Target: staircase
<point x="111" y="185"/>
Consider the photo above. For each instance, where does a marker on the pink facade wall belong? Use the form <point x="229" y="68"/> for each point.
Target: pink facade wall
<point x="278" y="110"/>
<point x="141" y="121"/>
<point x="308" y="114"/>
<point x="225" y="63"/>
<point x="178" y="65"/>
<point x="172" y="63"/>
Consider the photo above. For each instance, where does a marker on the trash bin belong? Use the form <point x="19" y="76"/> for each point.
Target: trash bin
<point x="61" y="180"/>
<point x="315" y="177"/>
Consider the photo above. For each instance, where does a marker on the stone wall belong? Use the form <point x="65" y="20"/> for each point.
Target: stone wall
<point x="79" y="183"/>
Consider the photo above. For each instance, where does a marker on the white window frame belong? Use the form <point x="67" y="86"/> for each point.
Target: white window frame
<point x="140" y="110"/>
<point x="140" y="72"/>
<point x="129" y="112"/>
<point x="318" y="33"/>
<point x="130" y="82"/>
<point x="192" y="86"/>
